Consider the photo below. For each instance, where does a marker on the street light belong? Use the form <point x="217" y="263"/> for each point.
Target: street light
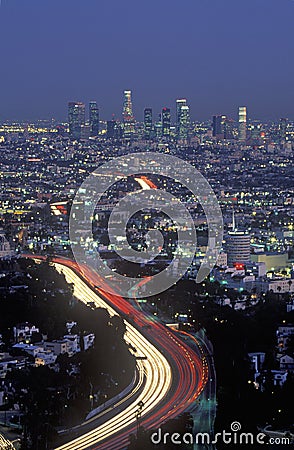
<point x="5" y="411"/>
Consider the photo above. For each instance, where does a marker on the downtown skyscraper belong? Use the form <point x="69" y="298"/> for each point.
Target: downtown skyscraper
<point x="179" y="103"/>
<point x="218" y="126"/>
<point x="128" y="117"/>
<point x="148" y="123"/>
<point x="165" y="119"/>
<point x="76" y="118"/>
<point x="242" y="124"/>
<point x="94" y="118"/>
<point x="182" y="119"/>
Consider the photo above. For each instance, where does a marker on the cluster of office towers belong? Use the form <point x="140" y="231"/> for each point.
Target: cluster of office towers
<point x="162" y="127"/>
<point x="79" y="128"/>
<point x="223" y="127"/>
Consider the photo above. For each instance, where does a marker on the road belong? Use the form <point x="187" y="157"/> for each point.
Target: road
<point x="5" y="444"/>
<point x="145" y="183"/>
<point x="204" y="412"/>
<point x="175" y="375"/>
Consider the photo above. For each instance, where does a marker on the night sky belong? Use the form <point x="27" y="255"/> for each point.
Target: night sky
<point x="217" y="53"/>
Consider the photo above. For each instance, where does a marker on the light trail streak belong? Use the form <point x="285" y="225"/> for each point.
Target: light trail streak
<point x="145" y="183"/>
<point x="5" y="444"/>
<point x="157" y="370"/>
<point x="175" y="374"/>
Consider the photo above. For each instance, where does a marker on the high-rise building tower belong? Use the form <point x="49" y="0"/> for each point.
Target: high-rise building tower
<point x="148" y="123"/>
<point x="219" y="126"/>
<point x="94" y="118"/>
<point x="242" y="123"/>
<point x="184" y="122"/>
<point x="128" y="118"/>
<point x="180" y="102"/>
<point x="229" y="128"/>
<point x="158" y="127"/>
<point x="165" y="119"/>
<point x="76" y="118"/>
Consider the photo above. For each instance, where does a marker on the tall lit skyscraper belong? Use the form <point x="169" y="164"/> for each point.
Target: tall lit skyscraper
<point x="94" y="118"/>
<point x="148" y="123"/>
<point x="165" y="119"/>
<point x="180" y="102"/>
<point x="158" y="127"/>
<point x="128" y="118"/>
<point x="76" y="118"/>
<point x="242" y="123"/>
<point x="183" y="119"/>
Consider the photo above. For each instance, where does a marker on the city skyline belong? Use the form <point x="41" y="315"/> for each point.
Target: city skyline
<point x="139" y="117"/>
<point x="103" y="59"/>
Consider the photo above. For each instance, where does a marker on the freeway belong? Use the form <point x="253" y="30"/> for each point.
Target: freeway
<point x="5" y="444"/>
<point x="174" y="373"/>
<point x="145" y="183"/>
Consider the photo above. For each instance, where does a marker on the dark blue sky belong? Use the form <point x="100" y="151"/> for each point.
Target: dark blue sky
<point x="217" y="53"/>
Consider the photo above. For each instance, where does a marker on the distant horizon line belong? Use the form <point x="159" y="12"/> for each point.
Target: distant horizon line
<point x="156" y="112"/>
<point x="115" y="117"/>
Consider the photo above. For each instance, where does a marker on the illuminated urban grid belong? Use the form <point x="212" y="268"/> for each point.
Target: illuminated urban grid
<point x="247" y="162"/>
<point x="146" y="225"/>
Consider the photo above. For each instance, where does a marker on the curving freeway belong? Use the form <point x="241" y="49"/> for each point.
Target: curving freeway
<point x="145" y="183"/>
<point x="5" y="444"/>
<point x="174" y="374"/>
